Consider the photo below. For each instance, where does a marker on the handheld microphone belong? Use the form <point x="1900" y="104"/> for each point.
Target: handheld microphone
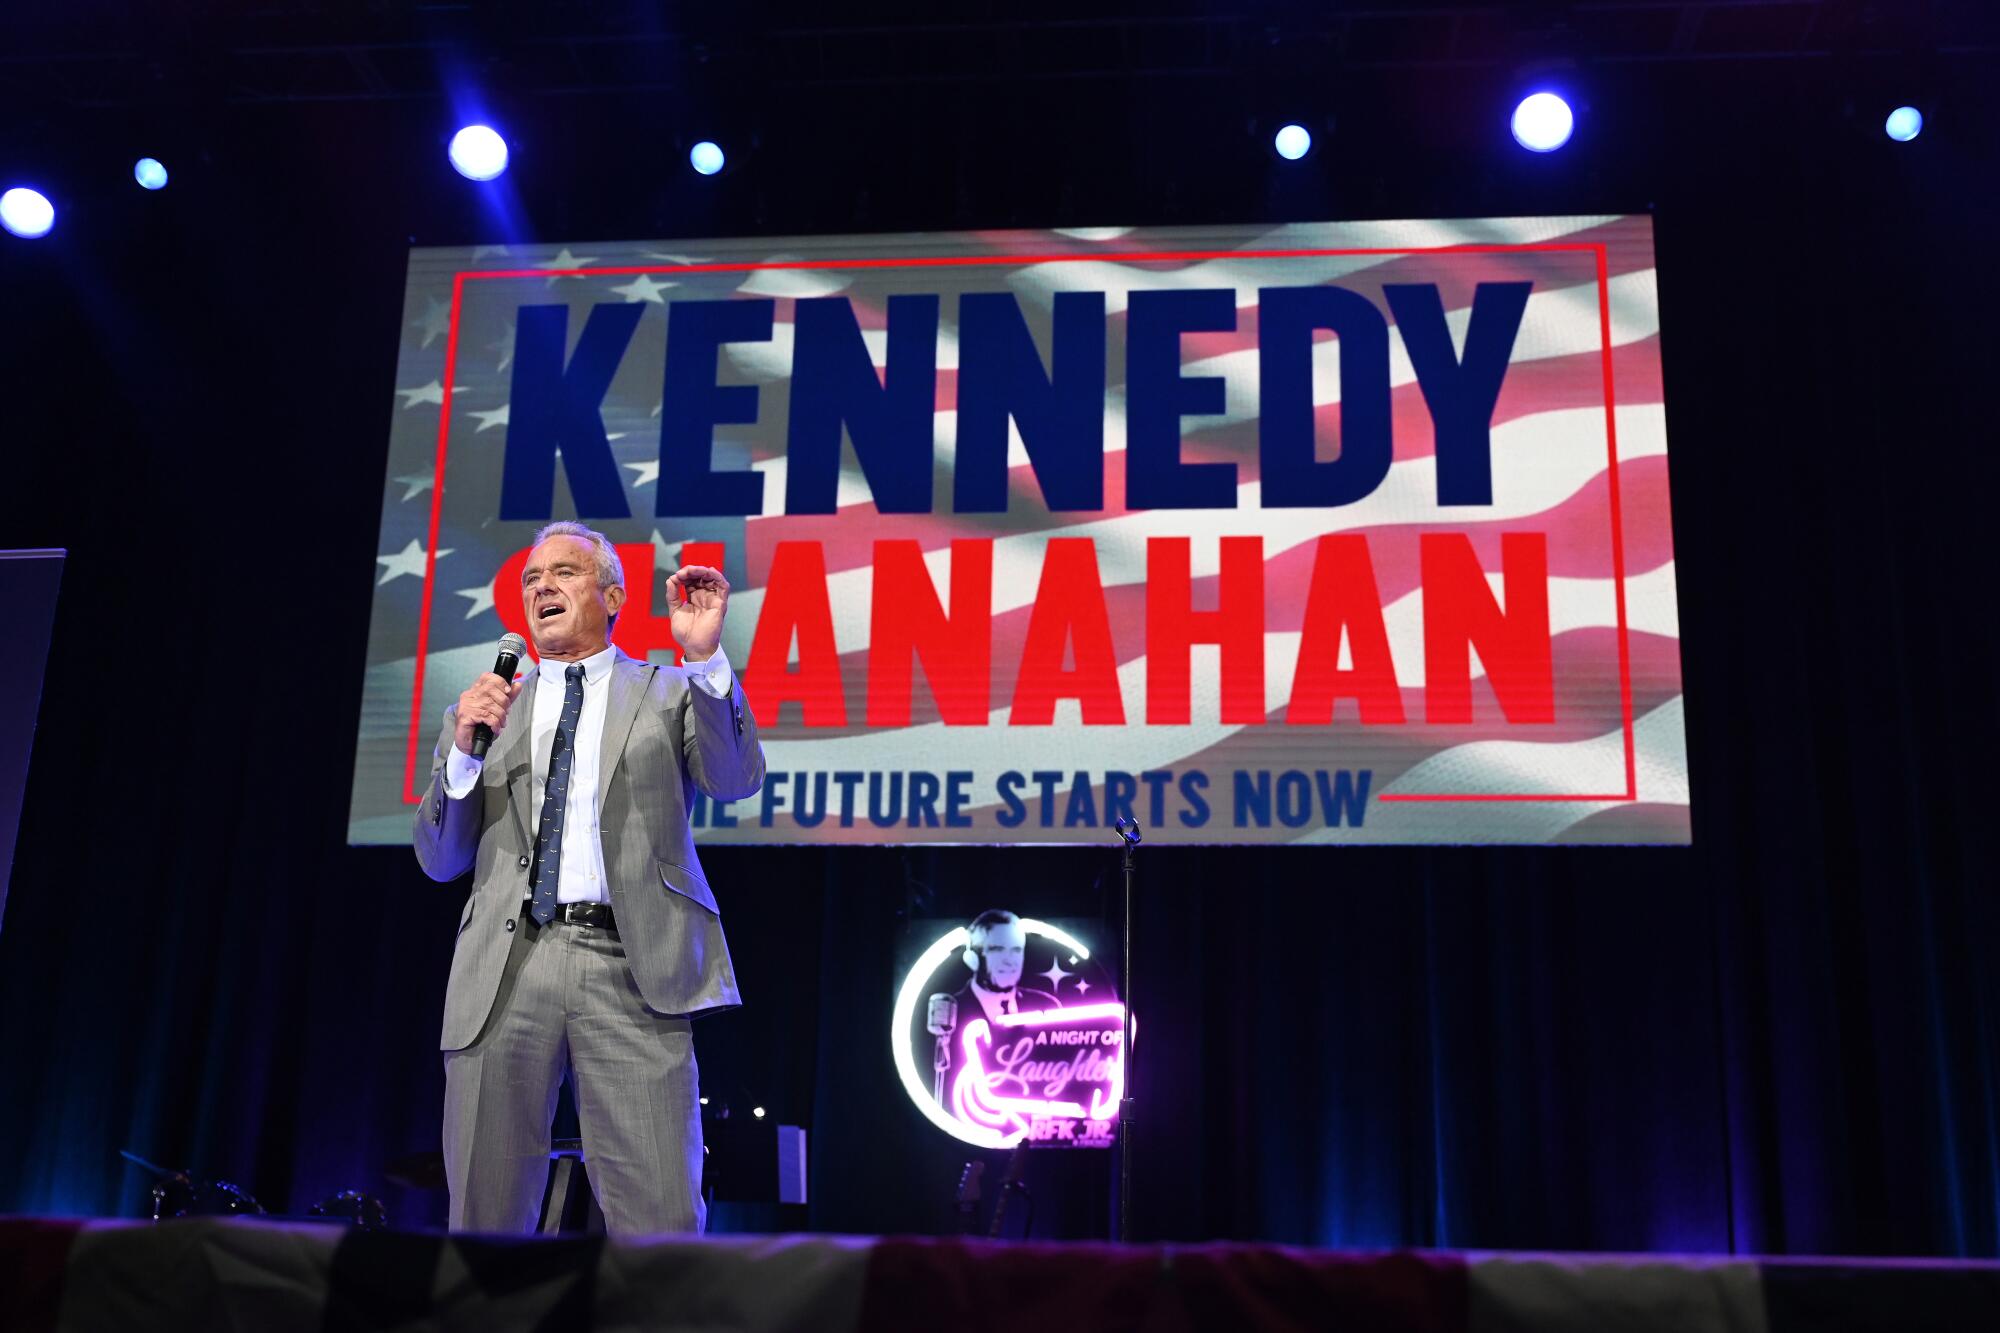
<point x="511" y="648"/>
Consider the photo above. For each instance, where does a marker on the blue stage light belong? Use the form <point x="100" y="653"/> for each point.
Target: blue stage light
<point x="1543" y="122"/>
<point x="478" y="152"/>
<point x="149" y="172"/>
<point x="1293" y="142"/>
<point x="27" y="213"/>
<point x="706" y="157"/>
<point x="1904" y="124"/>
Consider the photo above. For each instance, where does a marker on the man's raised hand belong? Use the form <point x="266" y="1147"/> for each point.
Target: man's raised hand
<point x="698" y="595"/>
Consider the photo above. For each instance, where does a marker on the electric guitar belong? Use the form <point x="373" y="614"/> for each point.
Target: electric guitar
<point x="968" y="1196"/>
<point x="1017" y="1166"/>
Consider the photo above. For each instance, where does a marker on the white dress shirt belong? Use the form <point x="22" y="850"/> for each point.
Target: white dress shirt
<point x="581" y="876"/>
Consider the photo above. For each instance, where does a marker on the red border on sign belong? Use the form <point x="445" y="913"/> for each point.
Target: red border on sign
<point x="410" y="793"/>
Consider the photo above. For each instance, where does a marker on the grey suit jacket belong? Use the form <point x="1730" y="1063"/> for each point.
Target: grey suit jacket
<point x="663" y="739"/>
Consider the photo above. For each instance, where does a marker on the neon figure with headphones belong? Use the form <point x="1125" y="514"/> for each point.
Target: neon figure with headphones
<point x="996" y="952"/>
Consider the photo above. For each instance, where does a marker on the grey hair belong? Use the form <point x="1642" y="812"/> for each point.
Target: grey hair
<point x="610" y="569"/>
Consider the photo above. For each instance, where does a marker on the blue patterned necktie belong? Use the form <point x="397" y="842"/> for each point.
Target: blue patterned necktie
<point x="555" y="800"/>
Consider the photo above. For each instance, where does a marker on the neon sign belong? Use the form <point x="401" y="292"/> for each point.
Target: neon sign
<point x="994" y="1050"/>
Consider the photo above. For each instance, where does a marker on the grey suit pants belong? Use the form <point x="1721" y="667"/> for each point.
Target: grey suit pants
<point x="567" y="1002"/>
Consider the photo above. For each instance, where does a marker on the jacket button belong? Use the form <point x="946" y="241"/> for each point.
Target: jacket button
<point x="510" y="927"/>
<point x="524" y="863"/>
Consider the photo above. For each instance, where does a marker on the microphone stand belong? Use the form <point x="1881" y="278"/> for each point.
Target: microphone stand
<point x="1128" y="836"/>
<point x="941" y="1025"/>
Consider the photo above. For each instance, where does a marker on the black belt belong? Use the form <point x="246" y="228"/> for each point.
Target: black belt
<point x="578" y="914"/>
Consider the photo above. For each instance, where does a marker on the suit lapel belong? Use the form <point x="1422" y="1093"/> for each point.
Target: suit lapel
<point x="515" y="752"/>
<point x="629" y="679"/>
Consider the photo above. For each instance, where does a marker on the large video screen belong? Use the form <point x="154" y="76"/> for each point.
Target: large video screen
<point x="1328" y="533"/>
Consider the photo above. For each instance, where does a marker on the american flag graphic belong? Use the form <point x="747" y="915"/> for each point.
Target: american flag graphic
<point x="1578" y="467"/>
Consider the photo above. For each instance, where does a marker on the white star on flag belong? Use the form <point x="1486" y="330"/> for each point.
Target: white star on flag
<point x="666" y="558"/>
<point x="1055" y="973"/>
<point x="564" y="259"/>
<point x="428" y="393"/>
<point x="505" y="347"/>
<point x="675" y="259"/>
<point x="793" y="282"/>
<point x="488" y="420"/>
<point x="414" y="484"/>
<point x="644" y="474"/>
<point x="481" y="251"/>
<point x="643" y="288"/>
<point x="481" y="598"/>
<point x="409" y="560"/>
<point x="435" y="321"/>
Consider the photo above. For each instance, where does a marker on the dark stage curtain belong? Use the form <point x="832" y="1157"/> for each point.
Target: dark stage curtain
<point x="1783" y="1039"/>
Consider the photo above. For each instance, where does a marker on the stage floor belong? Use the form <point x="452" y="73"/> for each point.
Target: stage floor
<point x="206" y="1274"/>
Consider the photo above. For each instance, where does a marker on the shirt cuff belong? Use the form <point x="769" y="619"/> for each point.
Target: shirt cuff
<point x="713" y="677"/>
<point x="461" y="773"/>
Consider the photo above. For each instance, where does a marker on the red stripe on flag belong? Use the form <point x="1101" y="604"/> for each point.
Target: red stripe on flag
<point x="925" y="1285"/>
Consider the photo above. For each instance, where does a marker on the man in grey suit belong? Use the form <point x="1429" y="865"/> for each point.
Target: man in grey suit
<point x="590" y="938"/>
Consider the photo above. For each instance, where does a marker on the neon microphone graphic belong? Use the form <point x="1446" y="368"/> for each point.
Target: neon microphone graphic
<point x="941" y="1021"/>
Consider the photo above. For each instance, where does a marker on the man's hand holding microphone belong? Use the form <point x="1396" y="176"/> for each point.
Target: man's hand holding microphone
<point x="482" y="709"/>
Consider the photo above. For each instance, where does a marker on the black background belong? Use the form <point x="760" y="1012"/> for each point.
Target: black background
<point x="1782" y="1039"/>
